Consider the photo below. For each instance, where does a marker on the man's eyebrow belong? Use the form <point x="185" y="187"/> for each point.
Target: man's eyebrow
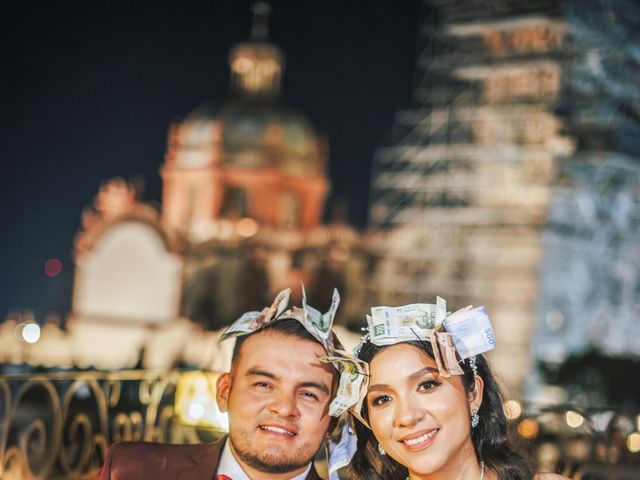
<point x="414" y="376"/>
<point x="320" y="386"/>
<point x="260" y="373"/>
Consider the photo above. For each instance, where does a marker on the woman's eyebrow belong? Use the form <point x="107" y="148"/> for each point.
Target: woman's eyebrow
<point x="422" y="372"/>
<point x="414" y="376"/>
<point x="378" y="387"/>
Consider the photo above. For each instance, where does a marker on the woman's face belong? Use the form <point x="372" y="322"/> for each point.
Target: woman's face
<point x="420" y="418"/>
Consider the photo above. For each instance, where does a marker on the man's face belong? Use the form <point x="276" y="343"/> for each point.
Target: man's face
<point x="277" y="396"/>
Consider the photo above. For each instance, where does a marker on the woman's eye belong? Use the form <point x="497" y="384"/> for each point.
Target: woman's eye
<point x="380" y="400"/>
<point x="428" y="385"/>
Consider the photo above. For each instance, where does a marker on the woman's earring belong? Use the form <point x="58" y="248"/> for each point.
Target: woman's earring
<point x="381" y="450"/>
<point x="475" y="419"/>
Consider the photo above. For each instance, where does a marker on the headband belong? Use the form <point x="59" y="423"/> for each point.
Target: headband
<point x="317" y="324"/>
<point x="453" y="338"/>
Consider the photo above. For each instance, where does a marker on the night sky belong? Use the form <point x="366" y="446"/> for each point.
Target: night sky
<point x="90" y="89"/>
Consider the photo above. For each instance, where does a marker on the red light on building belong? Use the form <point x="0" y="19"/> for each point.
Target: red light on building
<point x="53" y="267"/>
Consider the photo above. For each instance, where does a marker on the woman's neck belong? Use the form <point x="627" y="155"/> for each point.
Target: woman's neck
<point x="470" y="471"/>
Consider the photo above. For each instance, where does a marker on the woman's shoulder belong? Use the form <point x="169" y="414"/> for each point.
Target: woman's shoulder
<point x="549" y="476"/>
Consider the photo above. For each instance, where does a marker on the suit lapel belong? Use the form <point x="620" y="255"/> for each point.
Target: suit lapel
<point x="205" y="462"/>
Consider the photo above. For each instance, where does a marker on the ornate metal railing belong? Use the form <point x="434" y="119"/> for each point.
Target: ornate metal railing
<point x="59" y="425"/>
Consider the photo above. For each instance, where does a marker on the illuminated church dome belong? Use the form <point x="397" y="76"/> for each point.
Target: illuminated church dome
<point x="251" y="156"/>
<point x="252" y="133"/>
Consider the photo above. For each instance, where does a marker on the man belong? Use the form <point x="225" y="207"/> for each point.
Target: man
<point x="277" y="395"/>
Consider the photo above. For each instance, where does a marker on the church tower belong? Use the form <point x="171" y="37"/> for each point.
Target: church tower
<point x="252" y="157"/>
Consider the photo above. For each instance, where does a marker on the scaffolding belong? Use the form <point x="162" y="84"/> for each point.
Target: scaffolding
<point x="459" y="193"/>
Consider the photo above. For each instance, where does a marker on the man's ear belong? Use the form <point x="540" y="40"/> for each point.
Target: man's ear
<point x="475" y="395"/>
<point x="223" y="388"/>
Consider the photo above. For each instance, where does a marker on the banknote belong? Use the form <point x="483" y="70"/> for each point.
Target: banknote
<point x="281" y="301"/>
<point x="326" y="320"/>
<point x="388" y="325"/>
<point x="471" y="331"/>
<point x="444" y="352"/>
<point x="317" y="324"/>
<point x="253" y="321"/>
<point x="249" y="322"/>
<point x="352" y="376"/>
<point x="356" y="410"/>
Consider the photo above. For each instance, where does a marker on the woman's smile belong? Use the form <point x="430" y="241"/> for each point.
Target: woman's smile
<point x="420" y="441"/>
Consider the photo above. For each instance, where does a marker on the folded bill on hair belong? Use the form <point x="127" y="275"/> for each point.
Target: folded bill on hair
<point x="444" y="352"/>
<point x="353" y="373"/>
<point x="470" y="327"/>
<point x="316" y="323"/>
<point x="388" y="325"/>
<point x="471" y="331"/>
<point x="253" y="321"/>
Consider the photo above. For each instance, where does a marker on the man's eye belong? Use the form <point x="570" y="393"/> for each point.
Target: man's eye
<point x="310" y="395"/>
<point x="380" y="400"/>
<point x="261" y="384"/>
<point x="428" y="385"/>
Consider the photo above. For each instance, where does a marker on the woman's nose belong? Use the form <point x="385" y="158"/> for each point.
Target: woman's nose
<point x="408" y="414"/>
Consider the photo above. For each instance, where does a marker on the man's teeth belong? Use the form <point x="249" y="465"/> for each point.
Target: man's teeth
<point x="278" y="430"/>
<point x="420" y="439"/>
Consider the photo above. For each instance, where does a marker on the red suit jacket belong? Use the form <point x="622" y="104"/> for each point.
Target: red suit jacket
<point x="161" y="461"/>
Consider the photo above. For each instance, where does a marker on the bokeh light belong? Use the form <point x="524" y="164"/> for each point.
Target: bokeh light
<point x="31" y="333"/>
<point x="53" y="267"/>
<point x="196" y="411"/>
<point x="247" y="227"/>
<point x="574" y="419"/>
<point x="633" y="442"/>
<point x="512" y="409"/>
<point x="528" y="428"/>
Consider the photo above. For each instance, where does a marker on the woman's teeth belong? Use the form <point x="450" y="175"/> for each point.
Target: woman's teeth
<point x="421" y="438"/>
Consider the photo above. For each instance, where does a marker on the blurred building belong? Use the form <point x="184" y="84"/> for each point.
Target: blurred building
<point x="589" y="301"/>
<point x="510" y="182"/>
<point x="244" y="189"/>
<point x="460" y="192"/>
<point x="513" y="179"/>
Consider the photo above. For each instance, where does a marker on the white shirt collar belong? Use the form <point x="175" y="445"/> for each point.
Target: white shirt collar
<point x="230" y="467"/>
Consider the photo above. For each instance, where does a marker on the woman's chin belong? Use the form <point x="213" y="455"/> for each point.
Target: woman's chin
<point x="420" y="464"/>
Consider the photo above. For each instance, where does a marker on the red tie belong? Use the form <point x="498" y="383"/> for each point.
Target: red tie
<point x="222" y="477"/>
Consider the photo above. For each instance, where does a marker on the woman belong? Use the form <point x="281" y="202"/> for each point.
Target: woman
<point x="428" y="422"/>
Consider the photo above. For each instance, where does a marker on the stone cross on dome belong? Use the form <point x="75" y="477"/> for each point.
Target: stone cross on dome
<point x="260" y="26"/>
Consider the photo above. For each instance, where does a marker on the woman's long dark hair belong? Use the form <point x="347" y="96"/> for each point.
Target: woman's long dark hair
<point x="490" y="438"/>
